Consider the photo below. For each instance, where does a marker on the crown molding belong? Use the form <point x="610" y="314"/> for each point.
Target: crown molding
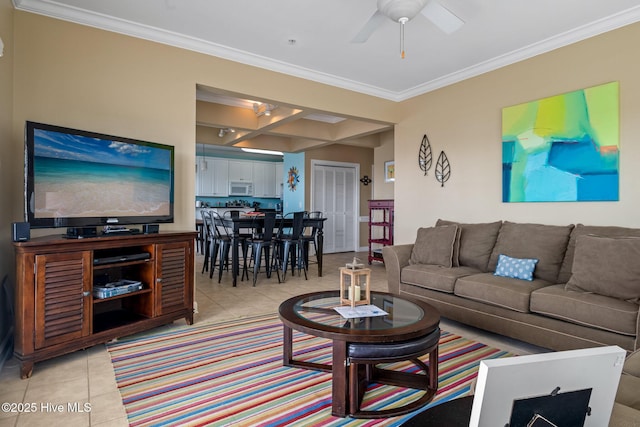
<point x="81" y="16"/>
<point x="629" y="16"/>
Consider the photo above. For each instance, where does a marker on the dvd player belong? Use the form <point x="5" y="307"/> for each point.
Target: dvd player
<point x="120" y="230"/>
<point x="121" y="258"/>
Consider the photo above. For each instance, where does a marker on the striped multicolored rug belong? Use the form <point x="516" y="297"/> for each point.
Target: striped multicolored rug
<point x="231" y="374"/>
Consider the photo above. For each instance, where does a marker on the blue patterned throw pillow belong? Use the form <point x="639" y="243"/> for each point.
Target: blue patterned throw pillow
<point x="517" y="268"/>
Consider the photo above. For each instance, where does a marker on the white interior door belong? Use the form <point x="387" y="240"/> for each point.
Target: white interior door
<point x="335" y="193"/>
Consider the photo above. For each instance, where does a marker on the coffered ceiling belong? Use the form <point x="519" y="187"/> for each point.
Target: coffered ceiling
<point x="228" y="121"/>
<point x="316" y="40"/>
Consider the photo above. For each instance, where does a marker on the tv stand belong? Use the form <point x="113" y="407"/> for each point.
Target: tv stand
<point x="56" y="310"/>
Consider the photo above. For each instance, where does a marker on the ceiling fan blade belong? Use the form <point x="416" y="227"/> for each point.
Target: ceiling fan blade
<point x="442" y="17"/>
<point x="369" y="27"/>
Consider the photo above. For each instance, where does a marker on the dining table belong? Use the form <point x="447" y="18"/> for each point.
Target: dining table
<point x="256" y="221"/>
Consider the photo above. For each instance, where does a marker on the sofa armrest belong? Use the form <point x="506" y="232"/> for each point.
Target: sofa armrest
<point x="395" y="259"/>
<point x="632" y="364"/>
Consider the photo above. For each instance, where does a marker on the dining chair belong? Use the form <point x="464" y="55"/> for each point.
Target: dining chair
<point x="261" y="244"/>
<point x="207" y="225"/>
<point x="201" y="237"/>
<point x="221" y="246"/>
<point x="243" y="235"/>
<point x="290" y="246"/>
<point x="309" y="234"/>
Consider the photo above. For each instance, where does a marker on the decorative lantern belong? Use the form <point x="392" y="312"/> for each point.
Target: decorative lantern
<point x="353" y="281"/>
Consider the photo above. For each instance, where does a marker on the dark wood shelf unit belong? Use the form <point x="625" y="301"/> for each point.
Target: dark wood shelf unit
<point x="381" y="216"/>
<point x="115" y="319"/>
<point x="127" y="295"/>
<point x="56" y="312"/>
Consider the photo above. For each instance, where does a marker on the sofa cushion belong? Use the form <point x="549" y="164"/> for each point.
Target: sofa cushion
<point x="624" y="416"/>
<point x="501" y="291"/>
<point x="434" y="277"/>
<point x="584" y="308"/>
<point x="581" y="230"/>
<point x="434" y="245"/>
<point x="546" y="243"/>
<point x="607" y="266"/>
<point x="516" y="268"/>
<point x="475" y="243"/>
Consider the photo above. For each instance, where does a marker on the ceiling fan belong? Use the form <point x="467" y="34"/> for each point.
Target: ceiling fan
<point x="402" y="11"/>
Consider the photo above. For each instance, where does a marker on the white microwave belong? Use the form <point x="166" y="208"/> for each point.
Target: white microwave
<point x="240" y="189"/>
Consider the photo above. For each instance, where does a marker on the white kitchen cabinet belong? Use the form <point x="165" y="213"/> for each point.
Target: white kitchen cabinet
<point x="240" y="171"/>
<point x="279" y="179"/>
<point x="212" y="177"/>
<point x="204" y="177"/>
<point x="264" y="179"/>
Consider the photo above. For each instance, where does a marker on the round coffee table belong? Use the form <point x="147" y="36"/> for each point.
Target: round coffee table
<point x="408" y="319"/>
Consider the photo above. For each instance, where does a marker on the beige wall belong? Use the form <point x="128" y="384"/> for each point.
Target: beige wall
<point x="9" y="182"/>
<point x="383" y="153"/>
<point x="8" y="179"/>
<point x="76" y="76"/>
<point x="464" y="120"/>
<point x="84" y="78"/>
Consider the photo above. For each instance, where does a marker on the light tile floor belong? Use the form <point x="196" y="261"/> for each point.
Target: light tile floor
<point x="86" y="377"/>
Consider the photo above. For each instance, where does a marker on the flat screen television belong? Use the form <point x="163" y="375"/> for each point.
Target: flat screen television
<point x="566" y="388"/>
<point x="77" y="178"/>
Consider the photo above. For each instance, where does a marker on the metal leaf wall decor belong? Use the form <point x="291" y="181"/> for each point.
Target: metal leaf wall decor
<point x="424" y="156"/>
<point x="443" y="169"/>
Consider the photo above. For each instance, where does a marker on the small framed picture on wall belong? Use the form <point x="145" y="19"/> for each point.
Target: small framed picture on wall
<point x="389" y="171"/>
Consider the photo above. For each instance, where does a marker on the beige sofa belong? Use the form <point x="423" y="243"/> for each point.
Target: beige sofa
<point x="626" y="410"/>
<point x="584" y="290"/>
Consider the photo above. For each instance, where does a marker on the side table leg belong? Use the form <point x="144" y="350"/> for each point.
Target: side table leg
<point x="287" y="346"/>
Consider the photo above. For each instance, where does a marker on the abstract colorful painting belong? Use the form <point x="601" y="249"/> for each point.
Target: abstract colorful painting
<point x="562" y="148"/>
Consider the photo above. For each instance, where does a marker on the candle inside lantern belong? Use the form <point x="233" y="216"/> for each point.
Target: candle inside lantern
<point x="354" y="293"/>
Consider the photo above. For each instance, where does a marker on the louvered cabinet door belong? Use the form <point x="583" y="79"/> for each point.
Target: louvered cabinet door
<point x="63" y="297"/>
<point x="174" y="268"/>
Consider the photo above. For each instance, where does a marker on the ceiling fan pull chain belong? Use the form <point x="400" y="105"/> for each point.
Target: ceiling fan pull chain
<point x="402" y="22"/>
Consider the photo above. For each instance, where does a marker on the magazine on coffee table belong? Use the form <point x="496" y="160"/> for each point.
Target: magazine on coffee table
<point x="349" y="312"/>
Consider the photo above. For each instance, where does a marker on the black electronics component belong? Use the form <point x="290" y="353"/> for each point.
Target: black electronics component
<point x="20" y="231"/>
<point x="81" y="232"/>
<point x="150" y="228"/>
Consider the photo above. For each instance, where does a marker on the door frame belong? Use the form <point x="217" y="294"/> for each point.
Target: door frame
<point x="356" y="216"/>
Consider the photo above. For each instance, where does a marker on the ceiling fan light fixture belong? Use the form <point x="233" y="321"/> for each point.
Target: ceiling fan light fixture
<point x="399" y="9"/>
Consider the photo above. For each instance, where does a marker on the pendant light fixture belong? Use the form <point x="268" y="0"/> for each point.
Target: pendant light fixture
<point x="203" y="161"/>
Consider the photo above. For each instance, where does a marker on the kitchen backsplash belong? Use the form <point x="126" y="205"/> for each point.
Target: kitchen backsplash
<point x="221" y="202"/>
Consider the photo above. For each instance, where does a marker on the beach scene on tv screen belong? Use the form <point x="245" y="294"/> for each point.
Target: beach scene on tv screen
<point x="79" y="176"/>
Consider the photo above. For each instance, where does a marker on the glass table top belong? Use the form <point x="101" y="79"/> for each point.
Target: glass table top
<point x="319" y="308"/>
